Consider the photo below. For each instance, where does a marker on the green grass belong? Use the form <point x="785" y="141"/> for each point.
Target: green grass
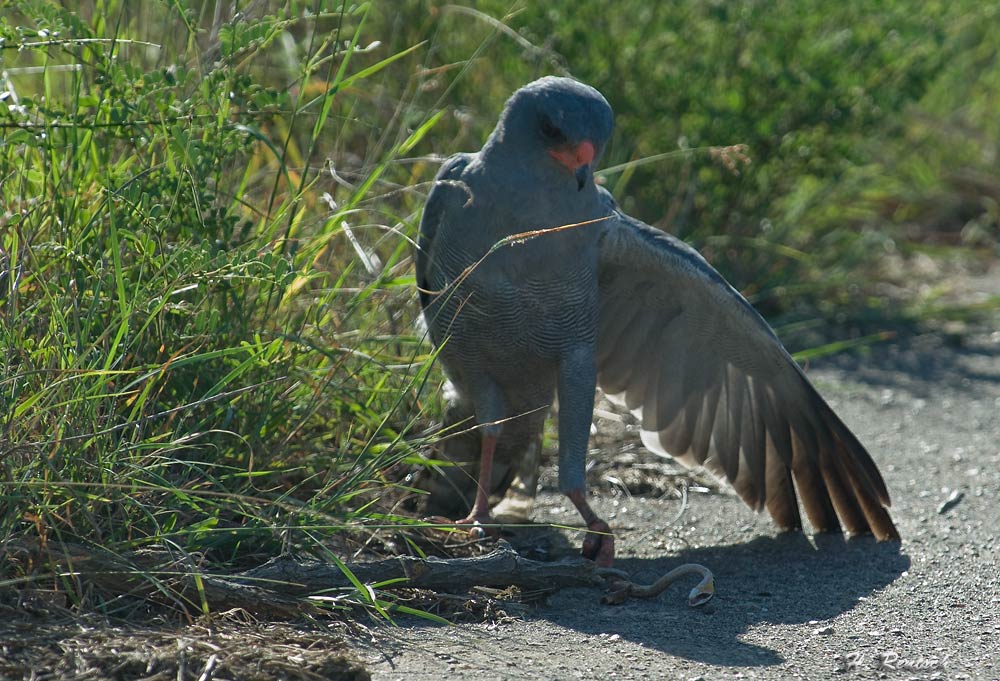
<point x="206" y="224"/>
<point x="194" y="353"/>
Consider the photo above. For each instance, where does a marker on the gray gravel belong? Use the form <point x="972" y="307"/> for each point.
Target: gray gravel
<point x="786" y="606"/>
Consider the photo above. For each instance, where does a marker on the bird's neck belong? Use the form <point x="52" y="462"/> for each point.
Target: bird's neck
<point x="528" y="174"/>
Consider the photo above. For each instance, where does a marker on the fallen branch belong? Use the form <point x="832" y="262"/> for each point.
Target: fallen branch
<point x="502" y="567"/>
<point x="280" y="587"/>
<point x="156" y="575"/>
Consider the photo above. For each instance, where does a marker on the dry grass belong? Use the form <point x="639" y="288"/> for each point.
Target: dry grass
<point x="43" y="641"/>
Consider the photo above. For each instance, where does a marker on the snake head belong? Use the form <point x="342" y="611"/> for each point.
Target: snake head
<point x="702" y="594"/>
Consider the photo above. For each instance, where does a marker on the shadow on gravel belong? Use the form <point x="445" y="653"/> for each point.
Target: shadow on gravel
<point x="775" y="580"/>
<point x="921" y="364"/>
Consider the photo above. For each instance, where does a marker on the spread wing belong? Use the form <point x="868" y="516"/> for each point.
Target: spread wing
<point x="713" y="386"/>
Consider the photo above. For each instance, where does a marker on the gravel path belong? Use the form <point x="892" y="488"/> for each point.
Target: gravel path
<point x="786" y="606"/>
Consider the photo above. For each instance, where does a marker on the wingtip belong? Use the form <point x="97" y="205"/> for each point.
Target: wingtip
<point x="887" y="531"/>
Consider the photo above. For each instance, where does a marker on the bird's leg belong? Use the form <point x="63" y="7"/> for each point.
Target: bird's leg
<point x="490" y="413"/>
<point x="480" y="513"/>
<point x="577" y="381"/>
<point x="599" y="544"/>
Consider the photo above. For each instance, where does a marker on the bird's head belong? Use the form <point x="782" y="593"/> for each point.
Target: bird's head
<point x="556" y="121"/>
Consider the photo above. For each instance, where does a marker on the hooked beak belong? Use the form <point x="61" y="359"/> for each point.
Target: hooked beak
<point x="577" y="159"/>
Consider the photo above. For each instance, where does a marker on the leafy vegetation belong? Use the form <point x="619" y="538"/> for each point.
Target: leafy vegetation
<point x="206" y="220"/>
<point x="206" y="326"/>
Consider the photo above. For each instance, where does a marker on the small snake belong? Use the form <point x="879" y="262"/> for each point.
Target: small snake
<point x="622" y="589"/>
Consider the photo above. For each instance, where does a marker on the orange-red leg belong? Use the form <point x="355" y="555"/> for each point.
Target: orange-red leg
<point x="480" y="512"/>
<point x="599" y="544"/>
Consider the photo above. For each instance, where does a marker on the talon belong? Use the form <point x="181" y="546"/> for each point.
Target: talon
<point x="481" y="526"/>
<point x="478" y="526"/>
<point x="599" y="544"/>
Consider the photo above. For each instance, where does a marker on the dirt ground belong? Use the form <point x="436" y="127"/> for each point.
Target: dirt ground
<point x="786" y="606"/>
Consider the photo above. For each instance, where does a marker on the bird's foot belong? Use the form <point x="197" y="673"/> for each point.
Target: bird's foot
<point x="483" y="525"/>
<point x="599" y="544"/>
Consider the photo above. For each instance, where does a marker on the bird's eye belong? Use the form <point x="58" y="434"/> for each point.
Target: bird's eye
<point x="550" y="131"/>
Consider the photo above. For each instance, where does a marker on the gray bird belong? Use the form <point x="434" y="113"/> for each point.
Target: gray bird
<point x="582" y="295"/>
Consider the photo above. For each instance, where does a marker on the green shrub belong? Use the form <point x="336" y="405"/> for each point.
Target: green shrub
<point x="194" y="352"/>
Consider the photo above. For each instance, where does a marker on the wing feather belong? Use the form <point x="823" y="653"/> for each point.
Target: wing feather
<point x="713" y="386"/>
<point x="701" y="444"/>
